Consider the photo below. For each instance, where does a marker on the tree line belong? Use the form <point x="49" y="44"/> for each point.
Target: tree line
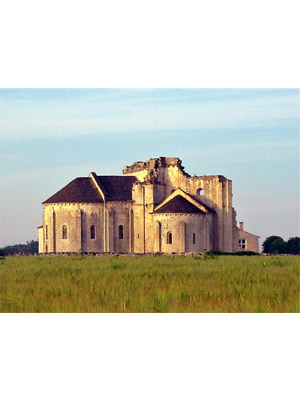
<point x="276" y="245"/>
<point x="30" y="247"/>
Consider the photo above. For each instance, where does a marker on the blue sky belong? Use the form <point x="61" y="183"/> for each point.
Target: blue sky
<point x="51" y="136"/>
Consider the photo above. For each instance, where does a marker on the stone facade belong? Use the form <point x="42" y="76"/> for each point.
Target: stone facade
<point x="154" y="207"/>
<point x="248" y="241"/>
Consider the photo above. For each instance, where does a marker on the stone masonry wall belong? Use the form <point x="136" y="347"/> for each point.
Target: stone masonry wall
<point x="183" y="227"/>
<point x="158" y="179"/>
<point x="78" y="218"/>
<point x="215" y="191"/>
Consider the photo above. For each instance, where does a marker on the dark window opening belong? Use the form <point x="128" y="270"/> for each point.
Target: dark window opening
<point x="93" y="232"/>
<point x="46" y="232"/>
<point x="169" y="238"/>
<point x="194" y="238"/>
<point x="121" y="235"/>
<point x="242" y="243"/>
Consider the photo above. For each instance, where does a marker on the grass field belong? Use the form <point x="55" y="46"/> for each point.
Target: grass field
<point x="178" y="284"/>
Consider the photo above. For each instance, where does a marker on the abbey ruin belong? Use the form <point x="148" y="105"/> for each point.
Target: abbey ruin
<point x="154" y="207"/>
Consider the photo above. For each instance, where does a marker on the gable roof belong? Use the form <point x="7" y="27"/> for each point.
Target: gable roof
<point x="204" y="201"/>
<point x="116" y="187"/>
<point x="243" y="234"/>
<point x="179" y="205"/>
<point x="84" y="190"/>
<point x="172" y="204"/>
<point x="80" y="190"/>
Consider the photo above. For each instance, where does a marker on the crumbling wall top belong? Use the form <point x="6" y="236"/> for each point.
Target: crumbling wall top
<point x="153" y="164"/>
<point x="135" y="167"/>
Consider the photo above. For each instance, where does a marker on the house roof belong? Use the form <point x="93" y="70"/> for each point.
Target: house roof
<point x="80" y="190"/>
<point x="83" y="190"/>
<point x="204" y="201"/>
<point x="243" y="234"/>
<point x="179" y="205"/>
<point x="116" y="187"/>
<point x="181" y="202"/>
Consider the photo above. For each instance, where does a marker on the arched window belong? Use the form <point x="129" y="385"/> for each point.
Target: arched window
<point x="120" y="231"/>
<point x="169" y="238"/>
<point x="64" y="232"/>
<point x="200" y="192"/>
<point x="93" y="232"/>
<point x="194" y="238"/>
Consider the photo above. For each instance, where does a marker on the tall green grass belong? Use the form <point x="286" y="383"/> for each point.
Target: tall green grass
<point x="149" y="284"/>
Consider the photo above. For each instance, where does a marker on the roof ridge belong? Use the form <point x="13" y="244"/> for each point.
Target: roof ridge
<point x="98" y="184"/>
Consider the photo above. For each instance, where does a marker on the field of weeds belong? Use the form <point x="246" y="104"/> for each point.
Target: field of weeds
<point x="147" y="284"/>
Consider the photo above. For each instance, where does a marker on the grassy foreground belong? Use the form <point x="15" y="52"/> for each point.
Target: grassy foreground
<point x="150" y="284"/>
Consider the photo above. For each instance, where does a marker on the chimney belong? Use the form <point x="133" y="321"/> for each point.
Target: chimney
<point x="241" y="226"/>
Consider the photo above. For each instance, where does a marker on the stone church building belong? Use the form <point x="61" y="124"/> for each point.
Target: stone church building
<point x="154" y="207"/>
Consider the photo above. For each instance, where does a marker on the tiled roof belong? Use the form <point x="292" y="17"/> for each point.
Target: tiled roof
<point x="83" y="190"/>
<point x="80" y="190"/>
<point x="117" y="187"/>
<point x="178" y="205"/>
<point x="203" y="201"/>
